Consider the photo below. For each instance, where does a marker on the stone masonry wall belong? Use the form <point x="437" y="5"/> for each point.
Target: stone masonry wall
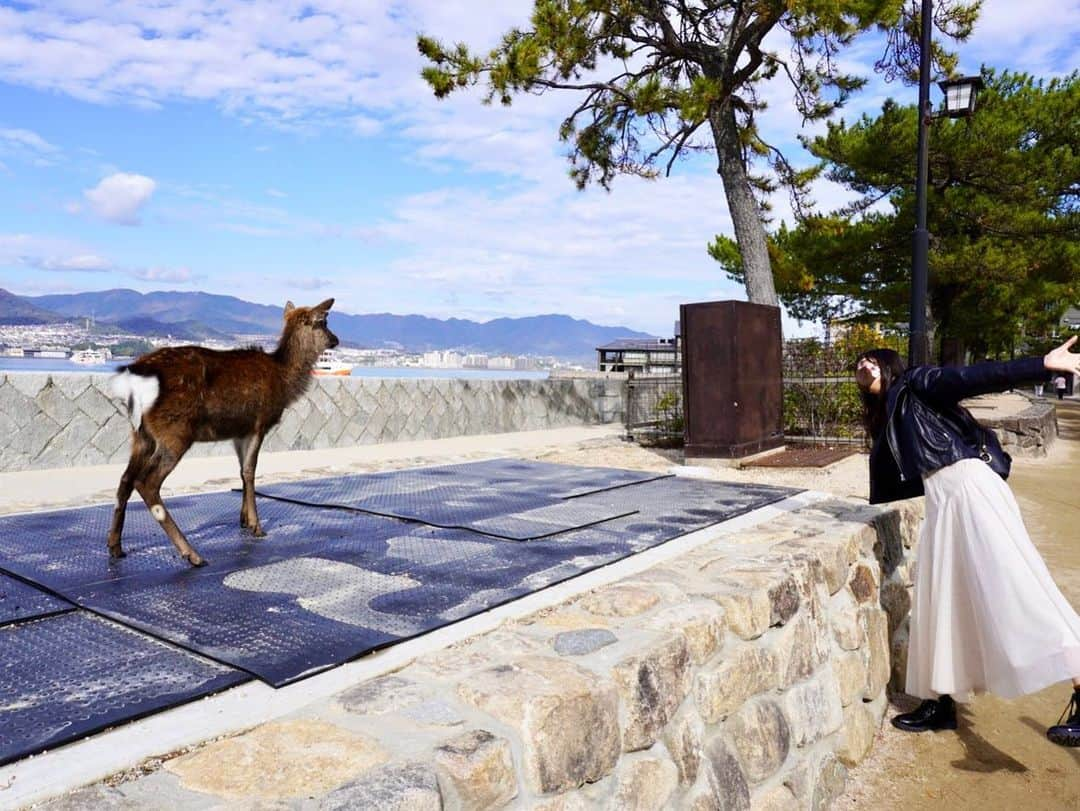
<point x="1028" y="433"/>
<point x="749" y="672"/>
<point x="63" y="420"/>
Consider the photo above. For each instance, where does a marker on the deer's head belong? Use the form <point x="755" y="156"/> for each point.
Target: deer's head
<point x="306" y="329"/>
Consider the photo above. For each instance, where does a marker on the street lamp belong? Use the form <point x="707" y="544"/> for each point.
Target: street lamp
<point x="960" y="96"/>
<point x="959" y="101"/>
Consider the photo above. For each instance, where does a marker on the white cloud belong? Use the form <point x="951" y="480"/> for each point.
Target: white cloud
<point x="119" y="197"/>
<point x="312" y="283"/>
<point x="276" y="193"/>
<point x="287" y="62"/>
<point x="49" y="253"/>
<point x="365" y="126"/>
<point x="83" y="262"/>
<point x="26" y="145"/>
<point x="27" y="139"/>
<point x="158" y="274"/>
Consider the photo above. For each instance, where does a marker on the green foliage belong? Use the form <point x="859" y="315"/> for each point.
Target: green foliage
<point x="820" y="395"/>
<point x="1004" y="188"/>
<point x="670" y="414"/>
<point x="822" y="411"/>
<point x="133" y="347"/>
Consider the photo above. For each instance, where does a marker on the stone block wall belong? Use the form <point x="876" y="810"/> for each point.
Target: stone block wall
<point x="63" y="420"/>
<point x="748" y="672"/>
<point x="1028" y="433"/>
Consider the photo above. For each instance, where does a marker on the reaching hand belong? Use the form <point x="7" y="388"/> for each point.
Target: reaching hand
<point x="1062" y="360"/>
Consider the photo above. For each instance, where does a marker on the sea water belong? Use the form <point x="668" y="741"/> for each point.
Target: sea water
<point x="61" y="365"/>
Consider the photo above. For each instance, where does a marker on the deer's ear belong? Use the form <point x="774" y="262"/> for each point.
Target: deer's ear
<point x="289" y="307"/>
<point x="326" y="305"/>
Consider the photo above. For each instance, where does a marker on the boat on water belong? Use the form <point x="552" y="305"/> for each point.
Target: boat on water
<point x="330" y="363"/>
<point x="90" y="357"/>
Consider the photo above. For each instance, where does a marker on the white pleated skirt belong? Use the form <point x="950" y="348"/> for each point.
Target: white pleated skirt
<point x="986" y="614"/>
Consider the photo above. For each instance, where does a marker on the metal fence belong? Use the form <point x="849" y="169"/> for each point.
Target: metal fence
<point x="821" y="401"/>
<point x="654" y="405"/>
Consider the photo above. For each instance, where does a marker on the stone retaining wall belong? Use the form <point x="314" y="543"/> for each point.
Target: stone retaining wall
<point x="63" y="420"/>
<point x="747" y="672"/>
<point x="1028" y="433"/>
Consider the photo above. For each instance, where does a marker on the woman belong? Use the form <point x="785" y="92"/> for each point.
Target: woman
<point x="986" y="614"/>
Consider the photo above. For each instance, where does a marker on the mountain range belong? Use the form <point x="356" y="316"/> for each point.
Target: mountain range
<point x="197" y="316"/>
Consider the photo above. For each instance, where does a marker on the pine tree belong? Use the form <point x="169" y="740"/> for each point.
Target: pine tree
<point x="1003" y="209"/>
<point x="659" y="79"/>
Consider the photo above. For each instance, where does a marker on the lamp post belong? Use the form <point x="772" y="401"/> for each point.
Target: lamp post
<point x="959" y="102"/>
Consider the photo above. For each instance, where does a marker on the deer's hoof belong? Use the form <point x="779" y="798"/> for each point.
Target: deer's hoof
<point x="195" y="559"/>
<point x="258" y="532"/>
<point x="115" y="553"/>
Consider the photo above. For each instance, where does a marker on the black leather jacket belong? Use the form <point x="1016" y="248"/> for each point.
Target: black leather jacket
<point x="927" y="428"/>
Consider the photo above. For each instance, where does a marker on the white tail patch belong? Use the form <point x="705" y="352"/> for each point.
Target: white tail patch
<point x="139" y="392"/>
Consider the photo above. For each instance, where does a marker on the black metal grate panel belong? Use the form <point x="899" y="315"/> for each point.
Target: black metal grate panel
<point x="71" y="675"/>
<point x="506" y="510"/>
<point x="328" y="585"/>
<point x="21" y="601"/>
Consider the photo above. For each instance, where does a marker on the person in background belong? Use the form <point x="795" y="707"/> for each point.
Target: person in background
<point x="1059" y="386"/>
<point x="986" y="614"/>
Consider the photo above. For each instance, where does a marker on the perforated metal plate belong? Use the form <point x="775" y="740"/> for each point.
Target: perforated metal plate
<point x="19" y="601"/>
<point x="65" y="550"/>
<point x="328" y="585"/>
<point x="668" y="508"/>
<point x="506" y="510"/>
<point x="68" y="676"/>
<point x="544" y="478"/>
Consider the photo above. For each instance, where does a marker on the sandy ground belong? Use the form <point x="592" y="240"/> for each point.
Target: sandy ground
<point x="999" y="758"/>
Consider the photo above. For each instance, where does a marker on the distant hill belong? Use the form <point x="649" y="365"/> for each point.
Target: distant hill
<point x="18" y="311"/>
<point x="203" y="315"/>
<point x="177" y="330"/>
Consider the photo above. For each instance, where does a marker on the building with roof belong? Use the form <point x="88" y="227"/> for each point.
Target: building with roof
<point x="656" y="356"/>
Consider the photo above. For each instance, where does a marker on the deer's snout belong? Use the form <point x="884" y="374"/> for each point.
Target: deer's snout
<point x="333" y="339"/>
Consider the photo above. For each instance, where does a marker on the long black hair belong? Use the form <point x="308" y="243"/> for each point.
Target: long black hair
<point x="874" y="410"/>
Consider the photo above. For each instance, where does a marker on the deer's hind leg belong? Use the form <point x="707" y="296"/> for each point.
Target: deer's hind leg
<point x="141" y="451"/>
<point x="247" y="451"/>
<point x="161" y="465"/>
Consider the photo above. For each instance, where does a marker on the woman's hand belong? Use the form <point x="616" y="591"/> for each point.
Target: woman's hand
<point x="1062" y="360"/>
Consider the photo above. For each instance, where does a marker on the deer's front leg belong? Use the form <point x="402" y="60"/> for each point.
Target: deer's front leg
<point x="248" y="451"/>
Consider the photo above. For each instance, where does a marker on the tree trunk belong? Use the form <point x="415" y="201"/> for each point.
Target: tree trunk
<point x="745" y="213"/>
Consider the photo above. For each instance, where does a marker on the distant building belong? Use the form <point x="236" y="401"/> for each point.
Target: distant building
<point x="837" y="328"/>
<point x="655" y="356"/>
<point x="1071" y="319"/>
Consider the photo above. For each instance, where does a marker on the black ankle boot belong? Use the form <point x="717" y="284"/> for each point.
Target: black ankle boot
<point x="930" y="715"/>
<point x="1066" y="731"/>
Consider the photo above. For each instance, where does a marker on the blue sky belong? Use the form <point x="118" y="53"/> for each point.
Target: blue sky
<point x="289" y="150"/>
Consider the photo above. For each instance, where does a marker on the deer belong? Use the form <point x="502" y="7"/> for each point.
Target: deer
<point x="180" y="395"/>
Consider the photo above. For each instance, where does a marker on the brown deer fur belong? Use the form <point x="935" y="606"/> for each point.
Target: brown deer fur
<point x="205" y="395"/>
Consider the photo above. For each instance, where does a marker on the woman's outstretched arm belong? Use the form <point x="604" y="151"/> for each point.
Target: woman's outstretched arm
<point x="950" y="384"/>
